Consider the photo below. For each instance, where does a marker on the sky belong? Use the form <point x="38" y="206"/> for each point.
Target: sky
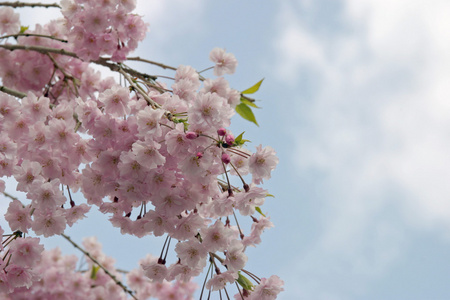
<point x="356" y="103"/>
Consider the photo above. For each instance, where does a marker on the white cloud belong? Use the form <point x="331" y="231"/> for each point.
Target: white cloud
<point x="378" y="125"/>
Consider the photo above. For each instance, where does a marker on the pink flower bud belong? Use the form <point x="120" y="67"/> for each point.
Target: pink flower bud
<point x="229" y="139"/>
<point x="221" y="131"/>
<point x="226" y="158"/>
<point x="190" y="135"/>
<point x="199" y="154"/>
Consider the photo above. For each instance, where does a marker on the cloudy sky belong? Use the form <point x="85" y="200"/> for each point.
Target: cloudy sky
<point x="356" y="103"/>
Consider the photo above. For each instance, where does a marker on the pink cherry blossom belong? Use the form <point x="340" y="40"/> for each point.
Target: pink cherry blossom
<point x="267" y="289"/>
<point x="219" y="281"/>
<point x="26" y="252"/>
<point x="225" y="63"/>
<point x="9" y="21"/>
<point x="262" y="163"/>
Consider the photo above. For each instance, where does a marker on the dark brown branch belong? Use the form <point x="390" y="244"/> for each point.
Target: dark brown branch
<point x="40" y="49"/>
<point x="114" y="67"/>
<point x="137" y="58"/>
<point x="33" y="34"/>
<point x="24" y="4"/>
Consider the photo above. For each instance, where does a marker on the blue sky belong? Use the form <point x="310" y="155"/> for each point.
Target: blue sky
<point x="356" y="103"/>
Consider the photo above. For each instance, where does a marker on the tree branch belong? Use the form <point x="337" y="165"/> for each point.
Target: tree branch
<point x="12" y="92"/>
<point x="137" y="58"/>
<point x="40" y="49"/>
<point x="24" y="4"/>
<point x="33" y="34"/>
<point x="118" y="282"/>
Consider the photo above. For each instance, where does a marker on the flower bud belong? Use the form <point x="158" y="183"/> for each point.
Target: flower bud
<point x="221" y="131"/>
<point x="190" y="135"/>
<point x="229" y="138"/>
<point x="226" y="158"/>
<point x="199" y="154"/>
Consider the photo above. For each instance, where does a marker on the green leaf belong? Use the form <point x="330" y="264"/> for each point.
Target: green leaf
<point x="23" y="29"/>
<point x="259" y="210"/>
<point x="270" y="195"/>
<point x="246" y="112"/>
<point x="249" y="103"/>
<point x="239" y="138"/>
<point x="94" y="272"/>
<point x="244" y="282"/>
<point x="254" y="88"/>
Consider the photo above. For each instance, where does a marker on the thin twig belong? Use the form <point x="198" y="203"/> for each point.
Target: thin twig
<point x="118" y="282"/>
<point x="12" y="92"/>
<point x="33" y="34"/>
<point x="23" y="4"/>
<point x="40" y="49"/>
<point x="138" y="89"/>
<point x="137" y="58"/>
<point x="114" y="67"/>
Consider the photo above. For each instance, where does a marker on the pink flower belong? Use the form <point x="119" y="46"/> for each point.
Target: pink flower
<point x="9" y="106"/>
<point x="37" y="109"/>
<point x="155" y="271"/>
<point x="49" y="222"/>
<point x="18" y="216"/>
<point x="148" y="122"/>
<point x="46" y="195"/>
<point x="210" y="111"/>
<point x="147" y="154"/>
<point x="219" y="281"/>
<point x="76" y="213"/>
<point x="225" y="62"/>
<point x="26" y="252"/>
<point x="235" y="256"/>
<point x="28" y="172"/>
<point x="116" y="101"/>
<point x="182" y="272"/>
<point x="217" y="237"/>
<point x="262" y="163"/>
<point x="9" y="21"/>
<point x="187" y="73"/>
<point x="192" y="253"/>
<point x="267" y="289"/>
<point x="18" y="276"/>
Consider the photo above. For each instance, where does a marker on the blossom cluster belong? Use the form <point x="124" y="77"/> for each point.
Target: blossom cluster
<point x="103" y="27"/>
<point x="65" y="277"/>
<point x="156" y="157"/>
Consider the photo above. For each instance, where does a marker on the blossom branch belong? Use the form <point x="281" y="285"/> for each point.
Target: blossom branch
<point x="138" y="89"/>
<point x="12" y="92"/>
<point x="114" y="67"/>
<point x="100" y="61"/>
<point x="137" y="58"/>
<point x="40" y="49"/>
<point x="24" y="4"/>
<point x="33" y="34"/>
<point x="118" y="282"/>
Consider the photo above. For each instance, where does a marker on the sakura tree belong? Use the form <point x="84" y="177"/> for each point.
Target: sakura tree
<point x="152" y="153"/>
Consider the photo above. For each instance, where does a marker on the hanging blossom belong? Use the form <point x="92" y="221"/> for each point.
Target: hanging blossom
<point x="155" y="157"/>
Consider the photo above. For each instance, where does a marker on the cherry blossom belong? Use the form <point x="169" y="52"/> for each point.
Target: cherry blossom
<point x="153" y="153"/>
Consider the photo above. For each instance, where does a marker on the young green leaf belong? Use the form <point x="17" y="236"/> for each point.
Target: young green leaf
<point x="254" y="88"/>
<point x="239" y="137"/>
<point x="259" y="210"/>
<point x="246" y="112"/>
<point x="23" y="29"/>
<point x="249" y="103"/>
<point x="244" y="282"/>
<point x="94" y="272"/>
